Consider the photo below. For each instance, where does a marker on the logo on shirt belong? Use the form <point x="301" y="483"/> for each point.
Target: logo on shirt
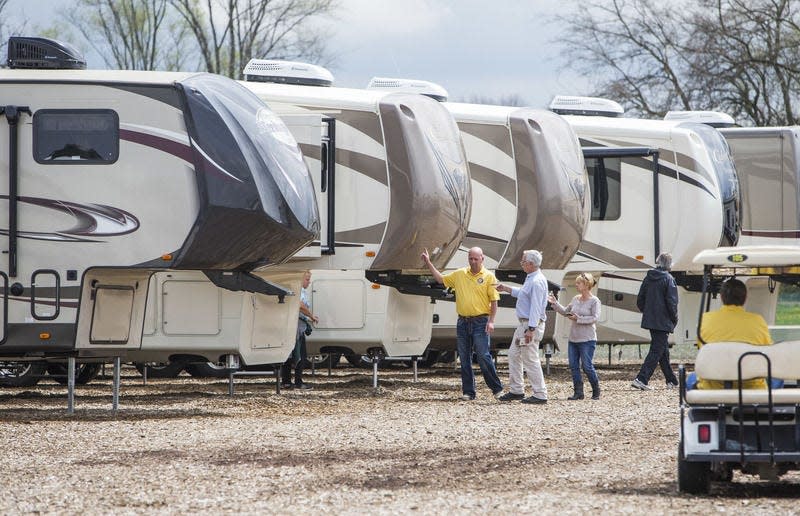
<point x="480" y="281"/>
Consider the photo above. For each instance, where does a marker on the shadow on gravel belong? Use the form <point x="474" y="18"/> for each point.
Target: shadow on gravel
<point x="731" y="490"/>
<point x="31" y="416"/>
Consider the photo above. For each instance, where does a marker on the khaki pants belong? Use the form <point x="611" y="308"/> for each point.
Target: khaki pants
<point x="524" y="356"/>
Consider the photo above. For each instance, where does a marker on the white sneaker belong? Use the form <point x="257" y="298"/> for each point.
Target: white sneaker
<point x="499" y="394"/>
<point x="636" y="384"/>
<point x="467" y="397"/>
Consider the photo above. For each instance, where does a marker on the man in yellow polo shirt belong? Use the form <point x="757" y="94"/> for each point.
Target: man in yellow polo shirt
<point x="732" y="323"/>
<point x="476" y="304"/>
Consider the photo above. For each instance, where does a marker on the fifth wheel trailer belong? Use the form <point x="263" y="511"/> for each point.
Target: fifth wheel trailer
<point x="529" y="191"/>
<point x="682" y="198"/>
<point x="115" y="175"/>
<point x="390" y="179"/>
<point x="393" y="180"/>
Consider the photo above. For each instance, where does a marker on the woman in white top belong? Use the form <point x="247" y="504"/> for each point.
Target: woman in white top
<point x="583" y="311"/>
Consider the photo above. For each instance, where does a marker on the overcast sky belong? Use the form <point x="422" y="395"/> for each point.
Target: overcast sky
<point x="472" y="48"/>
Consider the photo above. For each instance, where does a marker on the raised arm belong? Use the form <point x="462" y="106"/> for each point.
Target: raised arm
<point x="434" y="272"/>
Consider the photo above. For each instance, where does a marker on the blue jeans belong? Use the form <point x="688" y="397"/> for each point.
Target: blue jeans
<point x="471" y="335"/>
<point x="581" y="355"/>
<point x="657" y="356"/>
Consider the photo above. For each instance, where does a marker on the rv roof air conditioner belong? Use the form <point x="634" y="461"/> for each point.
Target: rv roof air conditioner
<point x="429" y="89"/>
<point x="712" y="118"/>
<point x="30" y="52"/>
<point x="586" y="106"/>
<point x="287" y="72"/>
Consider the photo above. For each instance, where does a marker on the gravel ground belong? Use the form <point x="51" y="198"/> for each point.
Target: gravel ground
<point x="183" y="445"/>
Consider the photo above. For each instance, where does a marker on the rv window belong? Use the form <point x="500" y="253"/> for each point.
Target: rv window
<point x="75" y="136"/>
<point x="604" y="185"/>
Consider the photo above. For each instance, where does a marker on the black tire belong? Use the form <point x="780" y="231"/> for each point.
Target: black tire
<point x="447" y="357"/>
<point x="207" y="370"/>
<point x="430" y="357"/>
<point x="693" y="477"/>
<point x="22" y="374"/>
<point x="169" y="370"/>
<point x="321" y="361"/>
<point x="363" y="361"/>
<point x="84" y="373"/>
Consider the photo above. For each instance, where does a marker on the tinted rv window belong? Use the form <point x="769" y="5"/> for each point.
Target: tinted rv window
<point x="604" y="186"/>
<point x="721" y="158"/>
<point x="75" y="136"/>
<point x="256" y="139"/>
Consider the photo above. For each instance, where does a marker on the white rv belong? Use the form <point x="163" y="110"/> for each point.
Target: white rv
<point x="391" y="180"/>
<point x="113" y="176"/>
<point x="529" y="191"/>
<point x="679" y="194"/>
<point x="768" y="164"/>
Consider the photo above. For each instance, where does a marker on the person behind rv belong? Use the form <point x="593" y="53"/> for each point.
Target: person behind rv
<point x="523" y="353"/>
<point x="733" y="323"/>
<point x="658" y="302"/>
<point x="299" y="354"/>
<point x="583" y="311"/>
<point x="476" y="305"/>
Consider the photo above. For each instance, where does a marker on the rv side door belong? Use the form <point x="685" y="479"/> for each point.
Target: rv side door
<point x="314" y="134"/>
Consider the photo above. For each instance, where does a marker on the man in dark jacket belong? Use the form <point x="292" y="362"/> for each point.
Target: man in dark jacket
<point x="658" y="302"/>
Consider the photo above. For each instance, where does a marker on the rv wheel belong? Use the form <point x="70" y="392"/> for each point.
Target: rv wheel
<point x="207" y="370"/>
<point x="362" y="361"/>
<point x="84" y="373"/>
<point x="693" y="477"/>
<point x="22" y="374"/>
<point x="322" y="360"/>
<point x="430" y="357"/>
<point x="168" y="370"/>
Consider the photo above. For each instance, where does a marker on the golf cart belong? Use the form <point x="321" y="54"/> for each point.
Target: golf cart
<point x="756" y="431"/>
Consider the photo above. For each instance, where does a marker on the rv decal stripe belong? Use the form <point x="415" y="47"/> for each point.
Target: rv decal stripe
<point x="495" y="135"/>
<point x="91" y="220"/>
<point x="503" y="185"/>
<point x="771" y="233"/>
<point x="610" y="257"/>
<point x="492" y="247"/>
<point x="627" y="303"/>
<point x="368" y="235"/>
<point x="27" y="301"/>
<point x="486" y="238"/>
<point x="373" y="168"/>
<point x="179" y="150"/>
<point x="663" y="169"/>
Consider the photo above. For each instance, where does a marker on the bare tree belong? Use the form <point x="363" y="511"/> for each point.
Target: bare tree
<point x="6" y="28"/>
<point x="740" y="56"/>
<point x="230" y="32"/>
<point x="133" y="34"/>
<point x="749" y="54"/>
<point x="511" y="99"/>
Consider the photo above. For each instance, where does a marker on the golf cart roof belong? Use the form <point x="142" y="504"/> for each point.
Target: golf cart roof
<point x="753" y="260"/>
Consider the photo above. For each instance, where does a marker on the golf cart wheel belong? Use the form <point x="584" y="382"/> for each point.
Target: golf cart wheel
<point x="693" y="477"/>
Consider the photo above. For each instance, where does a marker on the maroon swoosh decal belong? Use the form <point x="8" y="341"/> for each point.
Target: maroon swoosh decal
<point x="180" y="150"/>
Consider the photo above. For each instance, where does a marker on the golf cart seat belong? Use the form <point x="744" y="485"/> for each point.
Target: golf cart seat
<point x="720" y="361"/>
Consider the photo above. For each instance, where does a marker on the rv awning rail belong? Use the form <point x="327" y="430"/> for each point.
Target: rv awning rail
<point x="618" y="152"/>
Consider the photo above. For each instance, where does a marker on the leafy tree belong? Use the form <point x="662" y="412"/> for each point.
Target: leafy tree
<point x="738" y="56"/>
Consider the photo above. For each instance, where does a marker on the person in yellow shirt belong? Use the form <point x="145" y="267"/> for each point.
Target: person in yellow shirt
<point x="732" y="323"/>
<point x="476" y="305"/>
